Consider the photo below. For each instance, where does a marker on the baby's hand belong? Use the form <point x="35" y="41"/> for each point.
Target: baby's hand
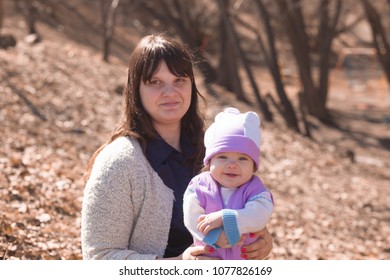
<point x="209" y="222"/>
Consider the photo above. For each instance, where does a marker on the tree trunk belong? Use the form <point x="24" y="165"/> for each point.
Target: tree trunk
<point x="235" y="43"/>
<point x="1" y="14"/>
<point x="227" y="75"/>
<point x="295" y="29"/>
<point x="271" y="57"/>
<point x="381" y="43"/>
<point x="326" y="34"/>
<point x="30" y="15"/>
<point x="302" y="109"/>
<point x="109" y="16"/>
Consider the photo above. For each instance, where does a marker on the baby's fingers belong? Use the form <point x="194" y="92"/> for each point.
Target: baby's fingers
<point x="207" y="229"/>
<point x="201" y="226"/>
<point x="201" y="218"/>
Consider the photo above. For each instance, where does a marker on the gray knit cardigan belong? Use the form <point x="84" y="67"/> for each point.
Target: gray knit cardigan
<point x="127" y="209"/>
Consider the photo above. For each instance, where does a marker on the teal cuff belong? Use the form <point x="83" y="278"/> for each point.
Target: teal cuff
<point x="230" y="226"/>
<point x="212" y="237"/>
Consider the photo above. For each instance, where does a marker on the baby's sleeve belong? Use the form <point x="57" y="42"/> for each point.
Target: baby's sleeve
<point x="192" y="210"/>
<point x="256" y="213"/>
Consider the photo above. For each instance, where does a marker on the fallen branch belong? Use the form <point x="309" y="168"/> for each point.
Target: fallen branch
<point x="29" y="104"/>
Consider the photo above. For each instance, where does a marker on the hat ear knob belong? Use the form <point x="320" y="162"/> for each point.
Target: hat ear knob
<point x="252" y="118"/>
<point x="228" y="112"/>
<point x="232" y="110"/>
<point x="209" y="136"/>
<point x="252" y="127"/>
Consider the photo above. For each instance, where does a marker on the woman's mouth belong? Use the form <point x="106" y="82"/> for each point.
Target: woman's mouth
<point x="170" y="104"/>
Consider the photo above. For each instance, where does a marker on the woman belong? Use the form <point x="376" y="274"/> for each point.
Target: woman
<point x="132" y="207"/>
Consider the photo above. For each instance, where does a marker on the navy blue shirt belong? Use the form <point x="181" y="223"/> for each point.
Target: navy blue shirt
<point x="170" y="165"/>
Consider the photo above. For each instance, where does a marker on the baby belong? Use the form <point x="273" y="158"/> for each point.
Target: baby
<point x="227" y="201"/>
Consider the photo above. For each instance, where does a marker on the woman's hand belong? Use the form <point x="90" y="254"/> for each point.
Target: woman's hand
<point x="198" y="253"/>
<point x="259" y="249"/>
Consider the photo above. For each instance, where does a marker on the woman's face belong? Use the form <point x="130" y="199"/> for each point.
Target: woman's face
<point x="166" y="97"/>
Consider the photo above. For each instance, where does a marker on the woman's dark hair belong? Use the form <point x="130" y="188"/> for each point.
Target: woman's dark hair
<point x="136" y="122"/>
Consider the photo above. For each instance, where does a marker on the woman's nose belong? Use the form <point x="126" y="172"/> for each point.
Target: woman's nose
<point x="169" y="89"/>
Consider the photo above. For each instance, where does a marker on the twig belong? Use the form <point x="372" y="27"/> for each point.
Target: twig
<point x="29" y="104"/>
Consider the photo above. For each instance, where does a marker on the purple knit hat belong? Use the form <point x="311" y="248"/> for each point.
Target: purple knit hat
<point x="234" y="132"/>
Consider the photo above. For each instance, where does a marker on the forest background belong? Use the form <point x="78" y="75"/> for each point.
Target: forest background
<point x="318" y="73"/>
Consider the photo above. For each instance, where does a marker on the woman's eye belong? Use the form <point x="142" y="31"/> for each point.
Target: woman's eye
<point x="180" y="81"/>
<point x="155" y="82"/>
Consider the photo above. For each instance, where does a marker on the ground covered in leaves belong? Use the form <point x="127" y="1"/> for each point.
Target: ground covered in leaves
<point x="59" y="102"/>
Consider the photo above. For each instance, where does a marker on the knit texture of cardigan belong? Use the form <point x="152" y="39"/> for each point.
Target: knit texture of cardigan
<point x="127" y="209"/>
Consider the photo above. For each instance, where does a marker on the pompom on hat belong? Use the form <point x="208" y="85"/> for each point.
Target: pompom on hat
<point x="234" y="132"/>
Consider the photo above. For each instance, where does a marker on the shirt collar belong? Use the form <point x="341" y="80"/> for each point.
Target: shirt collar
<point x="158" y="151"/>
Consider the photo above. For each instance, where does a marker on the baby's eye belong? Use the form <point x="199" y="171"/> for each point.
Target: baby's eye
<point x="243" y="158"/>
<point x="222" y="157"/>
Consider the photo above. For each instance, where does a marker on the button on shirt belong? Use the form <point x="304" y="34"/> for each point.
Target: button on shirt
<point x="170" y="166"/>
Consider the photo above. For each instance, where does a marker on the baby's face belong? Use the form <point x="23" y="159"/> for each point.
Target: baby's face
<point x="231" y="169"/>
